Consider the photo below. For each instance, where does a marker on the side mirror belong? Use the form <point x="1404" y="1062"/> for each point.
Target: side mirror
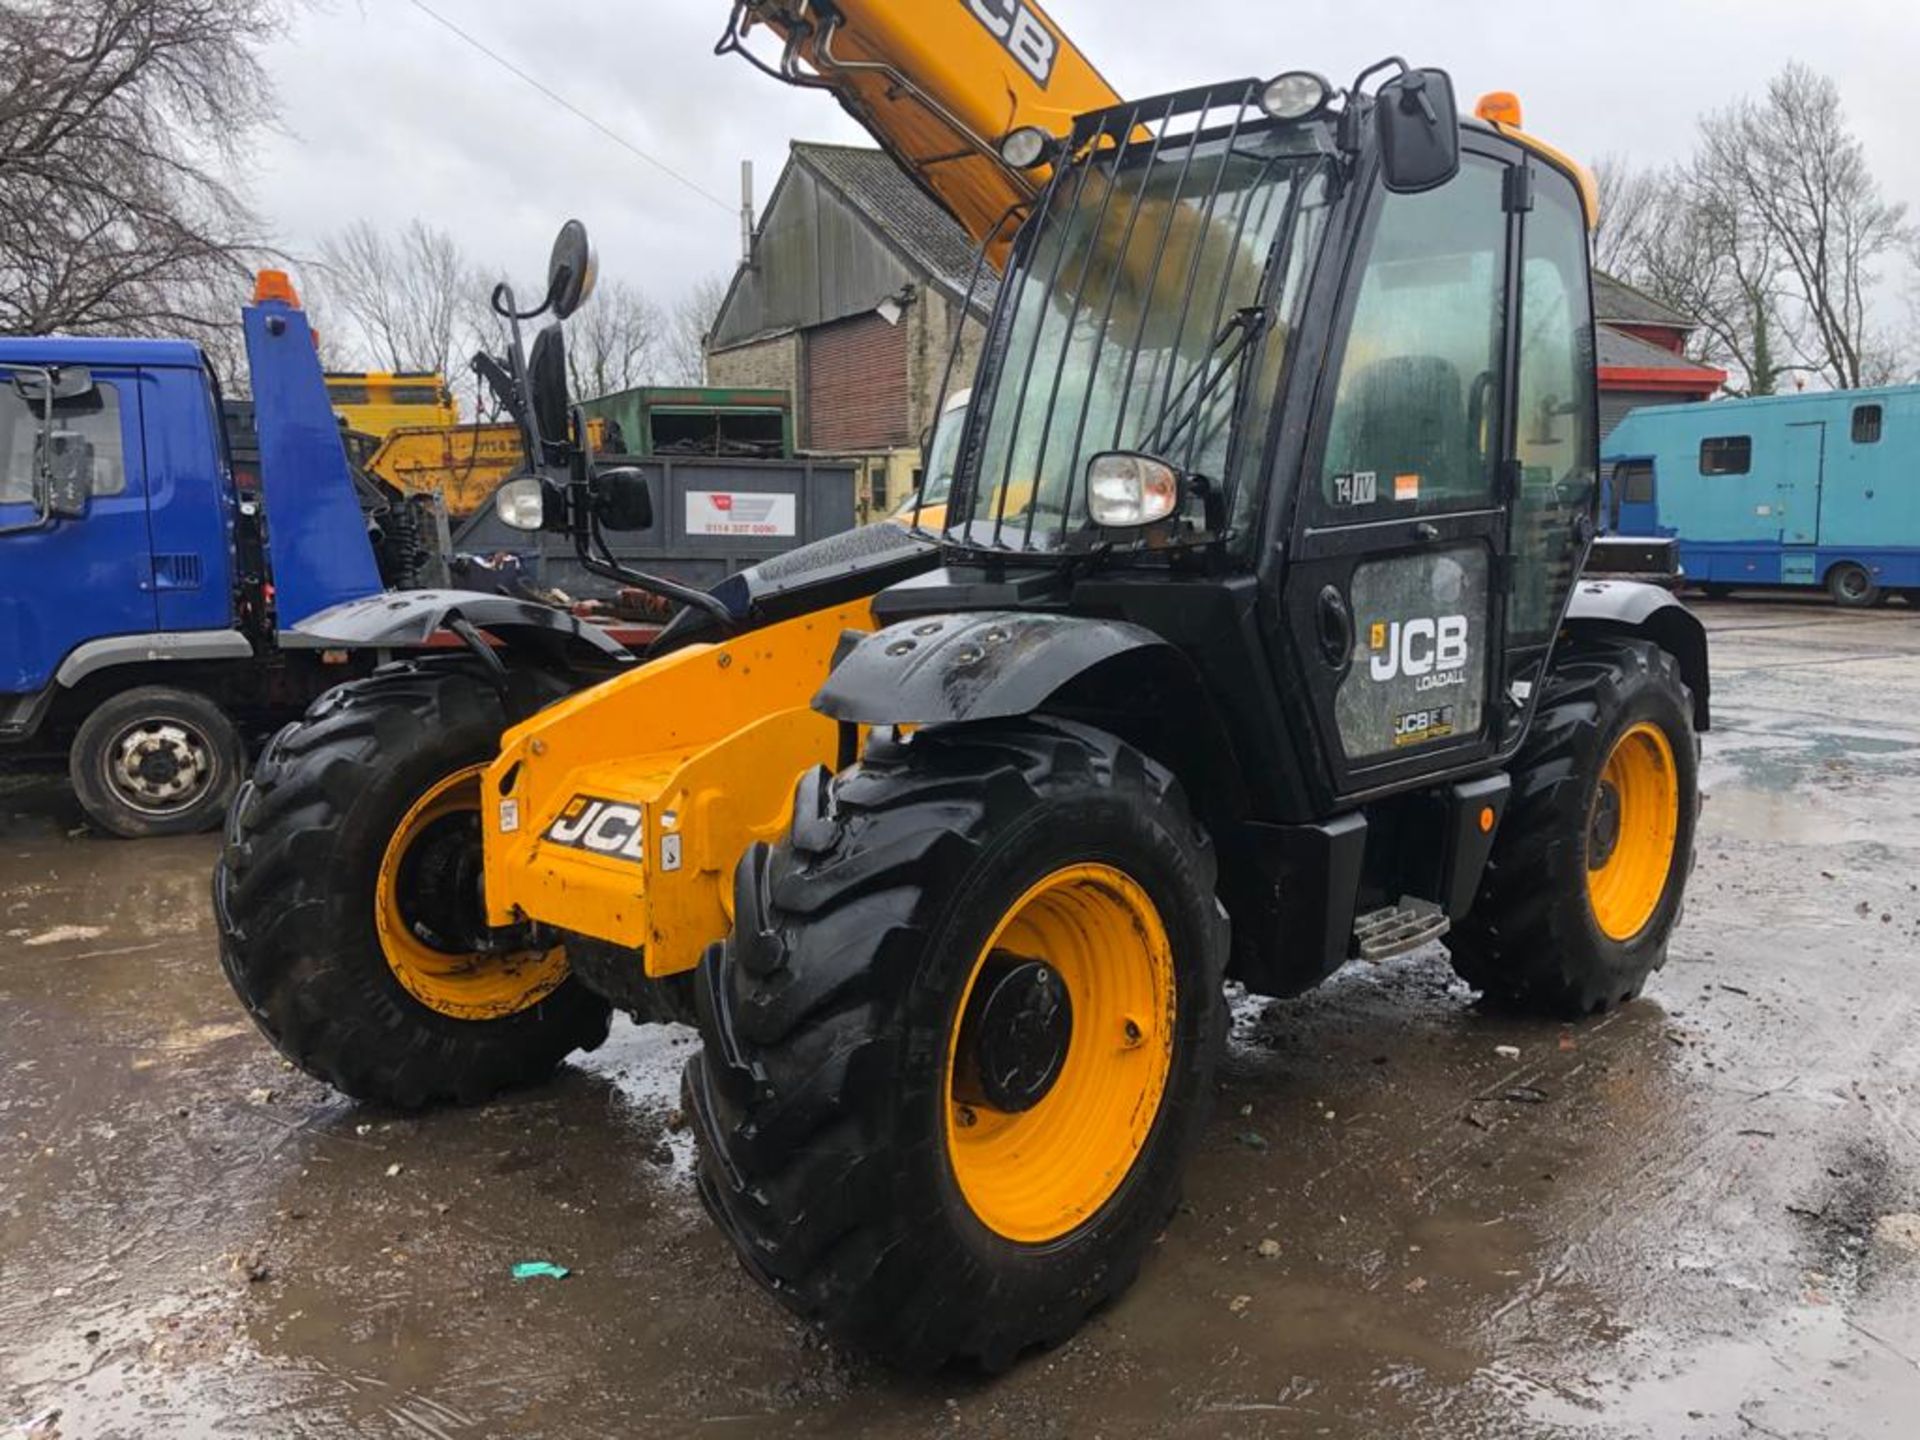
<point x="571" y="271"/>
<point x="68" y="473"/>
<point x="547" y="377"/>
<point x="1419" y="131"/>
<point x="622" y="499"/>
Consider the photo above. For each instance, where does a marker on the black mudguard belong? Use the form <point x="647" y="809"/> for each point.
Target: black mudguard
<point x="991" y="665"/>
<point x="1633" y="605"/>
<point x="407" y="619"/>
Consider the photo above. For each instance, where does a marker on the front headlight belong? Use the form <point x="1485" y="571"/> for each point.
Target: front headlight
<point x="1126" y="490"/>
<point x="522" y="504"/>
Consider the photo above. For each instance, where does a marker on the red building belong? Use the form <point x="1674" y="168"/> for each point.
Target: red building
<point x="1642" y="356"/>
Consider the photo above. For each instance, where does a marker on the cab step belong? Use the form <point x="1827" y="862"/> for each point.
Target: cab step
<point x="1396" y="929"/>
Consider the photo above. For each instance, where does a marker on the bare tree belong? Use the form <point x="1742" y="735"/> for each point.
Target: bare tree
<point x="1700" y="249"/>
<point x="1770" y="237"/>
<point x="1792" y="165"/>
<point x="1630" y="203"/>
<point x="616" y="342"/>
<point x="117" y="119"/>
<point x="693" y="322"/>
<point x="412" y="300"/>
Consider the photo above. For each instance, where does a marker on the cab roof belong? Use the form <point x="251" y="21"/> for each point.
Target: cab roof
<point x="96" y="350"/>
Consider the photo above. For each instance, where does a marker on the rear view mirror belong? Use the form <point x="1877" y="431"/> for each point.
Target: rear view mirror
<point x="68" y="473"/>
<point x="547" y="378"/>
<point x="571" y="271"/>
<point x="622" y="499"/>
<point x="1419" y="131"/>
<point x="68" y="382"/>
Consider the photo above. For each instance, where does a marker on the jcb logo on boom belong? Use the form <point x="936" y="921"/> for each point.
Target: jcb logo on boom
<point x="1433" y="652"/>
<point x="601" y="827"/>
<point x="1024" y="34"/>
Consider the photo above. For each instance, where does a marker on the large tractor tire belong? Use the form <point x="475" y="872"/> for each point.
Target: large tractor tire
<point x="961" y="1043"/>
<point x="156" y="761"/>
<point x="350" y="909"/>
<point x="1590" y="867"/>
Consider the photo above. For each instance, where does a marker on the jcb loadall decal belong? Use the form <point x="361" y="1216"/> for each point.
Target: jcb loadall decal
<point x="1419" y="672"/>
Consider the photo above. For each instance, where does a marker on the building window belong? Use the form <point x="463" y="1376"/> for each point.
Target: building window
<point x="1866" y="424"/>
<point x="1728" y="455"/>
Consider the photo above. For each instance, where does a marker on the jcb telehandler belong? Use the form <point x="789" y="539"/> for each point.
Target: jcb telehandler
<point x="1253" y="643"/>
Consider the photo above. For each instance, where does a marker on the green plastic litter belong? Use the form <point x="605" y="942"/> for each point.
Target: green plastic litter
<point x="540" y="1270"/>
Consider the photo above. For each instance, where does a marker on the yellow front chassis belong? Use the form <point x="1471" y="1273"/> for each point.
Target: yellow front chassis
<point x="706" y="744"/>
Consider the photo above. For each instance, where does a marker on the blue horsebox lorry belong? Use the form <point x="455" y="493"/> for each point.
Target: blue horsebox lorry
<point x="1782" y="490"/>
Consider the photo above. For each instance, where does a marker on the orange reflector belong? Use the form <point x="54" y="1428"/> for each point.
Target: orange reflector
<point x="275" y="285"/>
<point x="1500" y="107"/>
<point x="1486" y="820"/>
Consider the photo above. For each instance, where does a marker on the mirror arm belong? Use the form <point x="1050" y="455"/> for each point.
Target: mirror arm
<point x="609" y="568"/>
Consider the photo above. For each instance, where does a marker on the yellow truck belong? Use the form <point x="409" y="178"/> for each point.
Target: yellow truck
<point x="462" y="464"/>
<point x="378" y="402"/>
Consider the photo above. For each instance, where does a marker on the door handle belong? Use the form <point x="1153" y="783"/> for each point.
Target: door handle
<point x="1335" y="624"/>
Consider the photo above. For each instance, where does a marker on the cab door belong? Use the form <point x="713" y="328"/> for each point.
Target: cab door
<point x="71" y="581"/>
<point x="1394" y="595"/>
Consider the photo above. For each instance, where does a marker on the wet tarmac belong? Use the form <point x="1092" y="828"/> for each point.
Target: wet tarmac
<point x="1693" y="1218"/>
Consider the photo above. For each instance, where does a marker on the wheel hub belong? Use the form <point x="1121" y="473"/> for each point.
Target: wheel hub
<point x="430" y="912"/>
<point x="1015" y="1036"/>
<point x="160" y="765"/>
<point x="440" y="885"/>
<point x="1603" y="836"/>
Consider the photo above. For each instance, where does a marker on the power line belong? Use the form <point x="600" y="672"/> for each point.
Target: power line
<point x="569" y="106"/>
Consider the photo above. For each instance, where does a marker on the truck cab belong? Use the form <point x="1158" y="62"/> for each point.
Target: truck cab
<point x="153" y="552"/>
<point x="146" y="608"/>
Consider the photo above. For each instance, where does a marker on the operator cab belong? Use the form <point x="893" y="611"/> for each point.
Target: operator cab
<point x="1324" y="356"/>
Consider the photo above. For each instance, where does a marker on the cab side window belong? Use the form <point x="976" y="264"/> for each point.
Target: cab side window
<point x="94" y="418"/>
<point x="1419" y="393"/>
<point x="1554" y="418"/>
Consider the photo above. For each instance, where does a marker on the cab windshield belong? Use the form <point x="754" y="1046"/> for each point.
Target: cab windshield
<point x="1158" y="289"/>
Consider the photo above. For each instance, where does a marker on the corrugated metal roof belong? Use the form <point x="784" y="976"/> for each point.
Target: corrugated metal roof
<point x="881" y="191"/>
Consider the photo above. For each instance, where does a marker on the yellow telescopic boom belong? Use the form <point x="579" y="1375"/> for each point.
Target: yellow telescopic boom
<point x="939" y="85"/>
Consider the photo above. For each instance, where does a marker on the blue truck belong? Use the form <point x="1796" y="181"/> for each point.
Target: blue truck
<point x="181" y="574"/>
<point x="158" y="560"/>
<point x="1809" y="490"/>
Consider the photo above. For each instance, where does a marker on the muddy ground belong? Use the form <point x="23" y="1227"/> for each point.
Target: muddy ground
<point x="1682" y="1220"/>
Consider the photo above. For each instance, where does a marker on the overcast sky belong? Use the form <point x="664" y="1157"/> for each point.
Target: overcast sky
<point x="388" y="116"/>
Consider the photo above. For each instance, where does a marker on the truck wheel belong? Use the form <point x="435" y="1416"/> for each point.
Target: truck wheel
<point x="156" y="761"/>
<point x="1590" y="866"/>
<point x="350" y="910"/>
<point x="1853" y="586"/>
<point x="960" y="1044"/>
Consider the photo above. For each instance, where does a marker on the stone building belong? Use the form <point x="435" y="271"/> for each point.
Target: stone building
<point x="857" y="285"/>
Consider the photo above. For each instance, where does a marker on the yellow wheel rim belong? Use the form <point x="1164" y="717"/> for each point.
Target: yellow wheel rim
<point x="423" y="910"/>
<point x="1037" y="1174"/>
<point x="1632" y="828"/>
